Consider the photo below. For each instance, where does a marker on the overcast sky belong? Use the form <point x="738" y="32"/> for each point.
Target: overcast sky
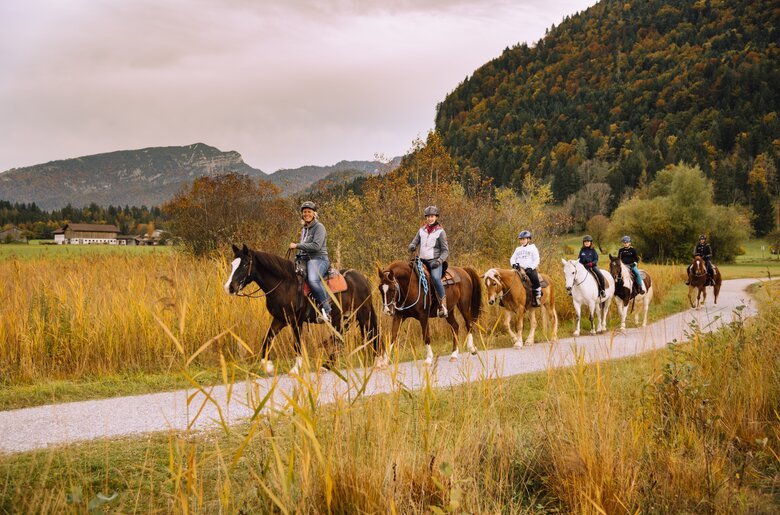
<point x="286" y="83"/>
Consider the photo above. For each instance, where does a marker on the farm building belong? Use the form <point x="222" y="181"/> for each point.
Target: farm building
<point x="88" y="234"/>
<point x="12" y="235"/>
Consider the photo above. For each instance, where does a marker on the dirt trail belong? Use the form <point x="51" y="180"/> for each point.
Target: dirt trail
<point x="57" y="424"/>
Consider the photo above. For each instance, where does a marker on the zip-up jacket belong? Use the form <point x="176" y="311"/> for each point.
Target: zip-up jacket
<point x="314" y="240"/>
<point x="432" y="243"/>
<point x="589" y="257"/>
<point x="704" y="250"/>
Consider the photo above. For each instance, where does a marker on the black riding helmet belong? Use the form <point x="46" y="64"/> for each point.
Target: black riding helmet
<point x="309" y="205"/>
<point x="587" y="237"/>
<point x="431" y="210"/>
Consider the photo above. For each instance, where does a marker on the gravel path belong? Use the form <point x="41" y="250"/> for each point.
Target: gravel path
<point x="57" y="424"/>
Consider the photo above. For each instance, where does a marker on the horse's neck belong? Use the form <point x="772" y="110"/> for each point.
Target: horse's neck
<point x="266" y="278"/>
<point x="627" y="275"/>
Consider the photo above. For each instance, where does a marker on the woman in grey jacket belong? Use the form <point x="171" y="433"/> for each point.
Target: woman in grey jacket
<point x="434" y="251"/>
<point x="313" y="250"/>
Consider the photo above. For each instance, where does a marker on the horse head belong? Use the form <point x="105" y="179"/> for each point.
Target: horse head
<point x="698" y="268"/>
<point x="240" y="274"/>
<point x="569" y="273"/>
<point x="615" y="267"/>
<point x="394" y="286"/>
<point x="494" y="285"/>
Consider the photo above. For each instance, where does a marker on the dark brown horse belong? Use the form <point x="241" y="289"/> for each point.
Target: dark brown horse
<point x="287" y="305"/>
<point x="403" y="296"/>
<point x="697" y="279"/>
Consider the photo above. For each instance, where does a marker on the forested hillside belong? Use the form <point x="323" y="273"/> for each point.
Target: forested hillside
<point x="630" y="87"/>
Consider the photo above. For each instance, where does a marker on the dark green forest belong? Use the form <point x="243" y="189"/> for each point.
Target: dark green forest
<point x="632" y="87"/>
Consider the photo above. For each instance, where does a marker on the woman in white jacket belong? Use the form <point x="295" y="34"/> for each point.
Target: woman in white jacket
<point x="526" y="256"/>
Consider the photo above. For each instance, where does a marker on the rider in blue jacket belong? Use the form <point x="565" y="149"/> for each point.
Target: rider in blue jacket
<point x="590" y="260"/>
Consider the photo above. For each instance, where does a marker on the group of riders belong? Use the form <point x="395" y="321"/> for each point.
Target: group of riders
<point x="430" y="242"/>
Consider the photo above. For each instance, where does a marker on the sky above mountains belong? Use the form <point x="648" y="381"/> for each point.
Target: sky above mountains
<point x="284" y="82"/>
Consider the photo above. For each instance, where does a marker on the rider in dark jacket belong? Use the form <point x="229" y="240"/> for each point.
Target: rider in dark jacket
<point x="590" y="260"/>
<point x="629" y="257"/>
<point x="704" y="250"/>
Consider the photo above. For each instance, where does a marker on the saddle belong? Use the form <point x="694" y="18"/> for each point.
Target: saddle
<point x="526" y="282"/>
<point x="334" y="280"/>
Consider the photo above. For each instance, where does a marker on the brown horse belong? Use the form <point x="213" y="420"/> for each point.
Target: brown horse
<point x="402" y="288"/>
<point x="287" y="304"/>
<point x="506" y="288"/>
<point x="697" y="279"/>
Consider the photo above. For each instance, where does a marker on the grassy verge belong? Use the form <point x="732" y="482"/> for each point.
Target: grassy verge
<point x="692" y="428"/>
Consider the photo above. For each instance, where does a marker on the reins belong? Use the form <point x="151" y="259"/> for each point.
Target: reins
<point x="254" y="295"/>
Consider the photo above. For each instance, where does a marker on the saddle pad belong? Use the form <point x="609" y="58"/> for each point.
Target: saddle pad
<point x="450" y="277"/>
<point x="336" y="283"/>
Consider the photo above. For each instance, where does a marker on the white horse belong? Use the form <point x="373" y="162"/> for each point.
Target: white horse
<point x="584" y="290"/>
<point x="624" y="295"/>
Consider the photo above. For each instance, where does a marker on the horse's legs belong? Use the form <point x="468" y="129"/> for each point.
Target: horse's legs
<point x="647" y="298"/>
<point x="591" y="309"/>
<point x="454" y="326"/>
<point x="508" y="324"/>
<point x="623" y="309"/>
<point x="532" y="332"/>
<point x="716" y="291"/>
<point x="690" y="296"/>
<point x="577" y="317"/>
<point x="297" y="345"/>
<point x="427" y="339"/>
<point x="554" y="313"/>
<point x="276" y="326"/>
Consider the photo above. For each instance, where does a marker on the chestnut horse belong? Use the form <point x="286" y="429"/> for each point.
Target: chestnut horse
<point x="697" y="278"/>
<point x="403" y="290"/>
<point x="506" y="288"/>
<point x="287" y="305"/>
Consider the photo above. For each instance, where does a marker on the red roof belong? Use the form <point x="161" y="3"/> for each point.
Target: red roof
<point x="91" y="228"/>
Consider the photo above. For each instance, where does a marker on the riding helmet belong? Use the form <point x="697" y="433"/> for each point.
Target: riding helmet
<point x="524" y="234"/>
<point x="626" y="239"/>
<point x="587" y="237"/>
<point x="431" y="210"/>
<point x="702" y="237"/>
<point x="309" y="205"/>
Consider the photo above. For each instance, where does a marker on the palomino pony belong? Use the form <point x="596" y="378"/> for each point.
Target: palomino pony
<point x="625" y="293"/>
<point x="506" y="287"/>
<point x="697" y="278"/>
<point x="584" y="290"/>
<point x="403" y="296"/>
<point x="287" y="305"/>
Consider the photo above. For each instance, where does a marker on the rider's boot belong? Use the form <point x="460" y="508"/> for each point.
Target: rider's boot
<point x="442" y="312"/>
<point x="537" y="300"/>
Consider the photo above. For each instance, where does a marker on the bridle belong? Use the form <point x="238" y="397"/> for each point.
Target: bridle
<point x="422" y="285"/>
<point x="246" y="280"/>
<point x="504" y="292"/>
<point x="574" y="281"/>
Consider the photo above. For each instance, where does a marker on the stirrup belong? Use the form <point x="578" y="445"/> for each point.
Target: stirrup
<point x="323" y="316"/>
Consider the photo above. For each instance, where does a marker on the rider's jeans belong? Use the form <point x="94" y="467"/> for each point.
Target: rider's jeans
<point x="436" y="278"/>
<point x="316" y="268"/>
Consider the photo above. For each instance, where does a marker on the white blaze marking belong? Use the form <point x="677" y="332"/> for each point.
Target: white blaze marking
<point x="236" y="264"/>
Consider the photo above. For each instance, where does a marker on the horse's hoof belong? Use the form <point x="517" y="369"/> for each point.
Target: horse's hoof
<point x="453" y="359"/>
<point x="474" y="352"/>
<point x="518" y="345"/>
<point x="268" y="366"/>
<point x="576" y="334"/>
<point x="428" y="362"/>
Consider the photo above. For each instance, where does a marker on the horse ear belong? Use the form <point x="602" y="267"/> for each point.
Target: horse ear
<point x="391" y="275"/>
<point x="379" y="271"/>
<point x="611" y="258"/>
<point x="236" y="250"/>
<point x="563" y="261"/>
<point x="245" y="249"/>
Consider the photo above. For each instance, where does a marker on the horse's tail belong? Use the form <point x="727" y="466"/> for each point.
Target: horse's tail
<point x="476" y="292"/>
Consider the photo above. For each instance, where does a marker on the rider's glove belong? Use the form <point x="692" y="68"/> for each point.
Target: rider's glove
<point x="516" y="266"/>
<point x="436" y="263"/>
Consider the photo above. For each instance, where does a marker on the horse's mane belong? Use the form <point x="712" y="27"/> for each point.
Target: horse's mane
<point x="278" y="266"/>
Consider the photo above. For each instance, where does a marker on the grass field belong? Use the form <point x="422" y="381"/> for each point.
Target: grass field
<point x="689" y="429"/>
<point x="42" y="249"/>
